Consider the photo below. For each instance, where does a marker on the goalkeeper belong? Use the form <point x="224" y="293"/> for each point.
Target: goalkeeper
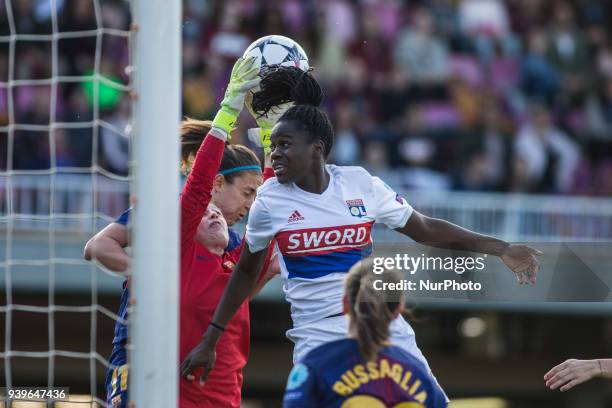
<point x="232" y="193"/>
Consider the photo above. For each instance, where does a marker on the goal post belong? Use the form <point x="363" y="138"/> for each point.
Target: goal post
<point x="153" y="379"/>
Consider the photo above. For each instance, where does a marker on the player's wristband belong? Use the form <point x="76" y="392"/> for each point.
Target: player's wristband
<point x="225" y="121"/>
<point x="217" y="326"/>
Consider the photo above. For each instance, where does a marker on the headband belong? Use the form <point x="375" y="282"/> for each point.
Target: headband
<point x="240" y="168"/>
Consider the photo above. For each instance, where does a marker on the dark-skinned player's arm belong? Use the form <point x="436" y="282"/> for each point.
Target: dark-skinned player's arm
<point x="239" y="287"/>
<point x="272" y="268"/>
<point x="521" y="259"/>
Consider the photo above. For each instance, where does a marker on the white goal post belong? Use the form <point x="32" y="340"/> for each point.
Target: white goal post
<point x="153" y="379"/>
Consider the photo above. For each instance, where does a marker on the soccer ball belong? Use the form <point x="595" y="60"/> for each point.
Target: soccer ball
<point x="277" y="50"/>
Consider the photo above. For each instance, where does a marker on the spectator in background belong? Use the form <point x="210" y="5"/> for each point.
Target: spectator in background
<point x="376" y="59"/>
<point x="373" y="47"/>
<point x="338" y="29"/>
<point x="539" y="79"/>
<point x="27" y="20"/>
<point x="114" y="142"/>
<point x="488" y="23"/>
<point x="229" y="41"/>
<point x="489" y="153"/>
<point x="79" y="140"/>
<point x="418" y="152"/>
<point x="599" y="112"/>
<point x="567" y="50"/>
<point x="604" y="60"/>
<point x="198" y="99"/>
<point x="549" y="156"/>
<point x="346" y="151"/>
<point x="420" y="52"/>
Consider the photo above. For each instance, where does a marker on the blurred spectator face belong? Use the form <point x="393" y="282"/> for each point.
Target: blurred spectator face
<point x="78" y="106"/>
<point x="191" y="55"/>
<point x="540" y="117"/>
<point x="356" y="74"/>
<point x="604" y="61"/>
<point x="490" y="115"/>
<point x="376" y="155"/>
<point x="564" y="15"/>
<point x="414" y="120"/>
<point x="476" y="173"/>
<point x="597" y="34"/>
<point x="345" y="116"/>
<point x="537" y="42"/>
<point x="273" y="21"/>
<point x="520" y="175"/>
<point x="371" y="27"/>
<point x="113" y="17"/>
<point x="417" y="151"/>
<point x="231" y="16"/>
<point x="83" y="10"/>
<point x="609" y="89"/>
<point x="23" y="7"/>
<point x="531" y="9"/>
<point x="398" y="78"/>
<point x="422" y="21"/>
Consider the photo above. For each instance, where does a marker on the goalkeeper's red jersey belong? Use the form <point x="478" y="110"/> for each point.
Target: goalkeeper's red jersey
<point x="204" y="276"/>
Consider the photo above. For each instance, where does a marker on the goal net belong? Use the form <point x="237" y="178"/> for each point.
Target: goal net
<point x="73" y="108"/>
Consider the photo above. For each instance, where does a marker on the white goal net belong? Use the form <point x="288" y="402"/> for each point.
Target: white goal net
<point x="67" y="104"/>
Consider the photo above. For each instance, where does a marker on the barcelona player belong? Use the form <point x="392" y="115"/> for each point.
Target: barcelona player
<point x="365" y="369"/>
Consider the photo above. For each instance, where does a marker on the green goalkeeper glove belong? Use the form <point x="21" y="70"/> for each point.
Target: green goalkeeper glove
<point x="243" y="78"/>
<point x="261" y="136"/>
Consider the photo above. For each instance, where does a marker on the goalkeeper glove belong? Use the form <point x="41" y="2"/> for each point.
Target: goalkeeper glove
<point x="244" y="77"/>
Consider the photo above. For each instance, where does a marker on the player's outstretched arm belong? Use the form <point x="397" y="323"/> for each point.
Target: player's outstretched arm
<point x="521" y="259"/>
<point x="573" y="372"/>
<point x="107" y="246"/>
<point x="239" y="287"/>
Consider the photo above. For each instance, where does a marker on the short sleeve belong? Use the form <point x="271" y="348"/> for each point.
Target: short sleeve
<point x="391" y="208"/>
<point x="301" y="390"/>
<point x="259" y="231"/>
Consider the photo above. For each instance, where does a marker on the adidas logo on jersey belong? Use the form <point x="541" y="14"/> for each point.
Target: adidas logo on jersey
<point x="295" y="216"/>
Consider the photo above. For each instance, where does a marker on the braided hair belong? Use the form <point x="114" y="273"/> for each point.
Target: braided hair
<point x="281" y="85"/>
<point x="371" y="311"/>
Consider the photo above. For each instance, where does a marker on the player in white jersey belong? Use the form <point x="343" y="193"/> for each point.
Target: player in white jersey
<point x="321" y="218"/>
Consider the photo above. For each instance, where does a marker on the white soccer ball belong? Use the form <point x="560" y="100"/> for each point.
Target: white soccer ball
<point x="277" y="50"/>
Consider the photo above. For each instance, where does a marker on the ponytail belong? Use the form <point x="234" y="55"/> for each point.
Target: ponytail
<point x="286" y="84"/>
<point x="371" y="311"/>
<point x="282" y="85"/>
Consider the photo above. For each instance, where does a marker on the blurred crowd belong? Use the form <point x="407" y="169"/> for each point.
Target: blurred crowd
<point x="486" y="95"/>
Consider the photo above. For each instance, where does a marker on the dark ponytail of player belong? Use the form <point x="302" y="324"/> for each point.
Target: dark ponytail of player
<point x="371" y="311"/>
<point x="290" y="84"/>
<point x="286" y="84"/>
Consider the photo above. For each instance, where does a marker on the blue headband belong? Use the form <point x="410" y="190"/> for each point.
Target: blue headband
<point x="239" y="168"/>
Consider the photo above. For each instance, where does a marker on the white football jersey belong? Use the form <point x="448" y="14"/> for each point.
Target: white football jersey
<point x="321" y="236"/>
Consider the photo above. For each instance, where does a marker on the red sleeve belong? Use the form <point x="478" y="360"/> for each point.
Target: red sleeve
<point x="198" y="187"/>
<point x="236" y="256"/>
<point x="266" y="264"/>
<point x="268" y="173"/>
